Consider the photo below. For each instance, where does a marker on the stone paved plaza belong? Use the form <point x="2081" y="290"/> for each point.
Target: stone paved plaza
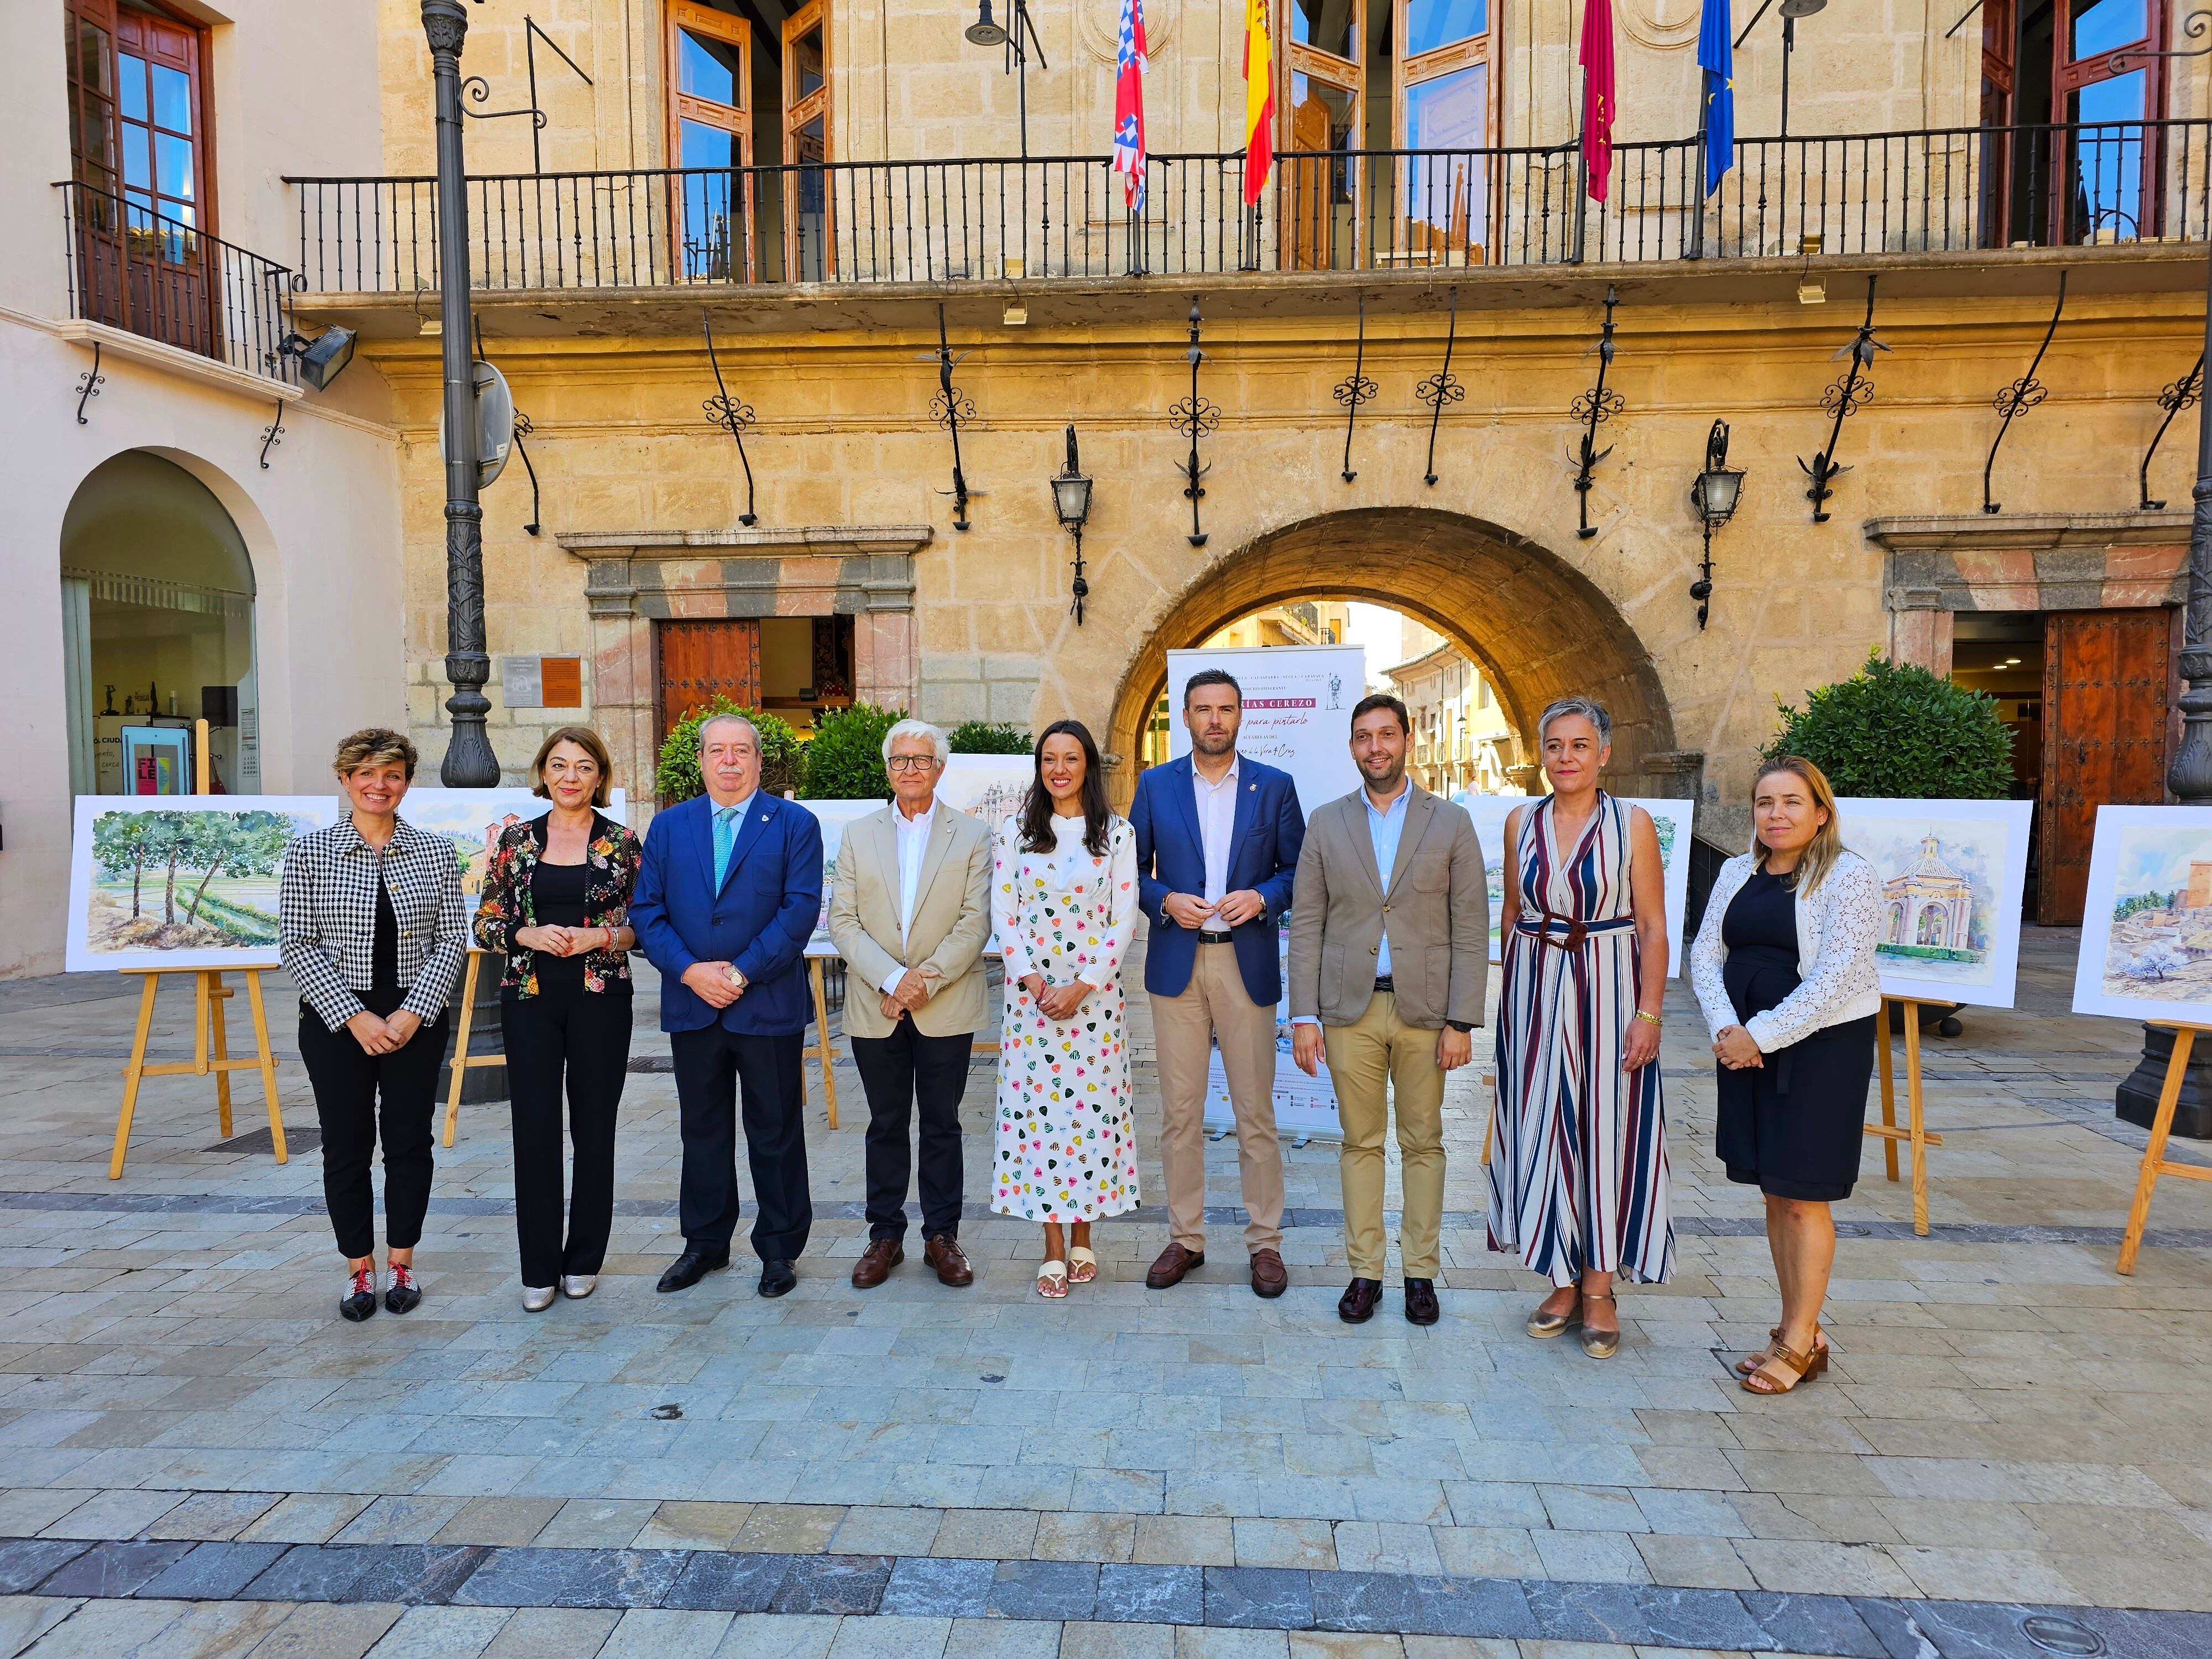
<point x="201" y="1459"/>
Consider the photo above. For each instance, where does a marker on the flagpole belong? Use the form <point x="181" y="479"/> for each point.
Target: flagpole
<point x="1697" y="248"/>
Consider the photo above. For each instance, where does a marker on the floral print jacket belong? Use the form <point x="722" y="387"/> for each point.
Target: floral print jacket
<point x="505" y="907"/>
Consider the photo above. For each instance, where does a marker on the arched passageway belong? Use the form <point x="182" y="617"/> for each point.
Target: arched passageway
<point x="1540" y="629"/>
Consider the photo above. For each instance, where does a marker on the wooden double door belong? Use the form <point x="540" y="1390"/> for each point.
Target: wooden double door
<point x="2108" y="713"/>
<point x="700" y="660"/>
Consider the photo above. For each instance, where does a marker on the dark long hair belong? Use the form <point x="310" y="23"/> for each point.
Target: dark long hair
<point x="1036" y="809"/>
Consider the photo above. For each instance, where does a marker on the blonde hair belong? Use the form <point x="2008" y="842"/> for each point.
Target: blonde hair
<point x="1819" y="858"/>
<point x="586" y="739"/>
<point x="374" y="745"/>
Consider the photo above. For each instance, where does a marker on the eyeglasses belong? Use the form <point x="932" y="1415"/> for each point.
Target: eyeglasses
<point x="912" y="762"/>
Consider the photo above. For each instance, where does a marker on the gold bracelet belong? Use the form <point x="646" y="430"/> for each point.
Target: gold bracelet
<point x="1654" y="1018"/>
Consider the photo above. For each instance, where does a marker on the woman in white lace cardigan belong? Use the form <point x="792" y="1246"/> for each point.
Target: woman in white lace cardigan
<point x="1784" y="967"/>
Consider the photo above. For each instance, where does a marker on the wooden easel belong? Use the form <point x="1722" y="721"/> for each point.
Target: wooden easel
<point x="2155" y="1163"/>
<point x="822" y="1050"/>
<point x="463" y="1060"/>
<point x="210" y="1044"/>
<point x="1916" y="1130"/>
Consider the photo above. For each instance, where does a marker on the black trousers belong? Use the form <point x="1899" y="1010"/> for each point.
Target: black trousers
<point x="564" y="1029"/>
<point x="710" y="1065"/>
<point x="908" y="1075"/>
<point x="356" y="1093"/>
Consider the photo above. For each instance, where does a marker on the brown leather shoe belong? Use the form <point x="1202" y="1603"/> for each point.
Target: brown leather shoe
<point x="1270" y="1277"/>
<point x="876" y="1262"/>
<point x="1173" y="1262"/>
<point x="944" y="1256"/>
<point x="1357" y="1305"/>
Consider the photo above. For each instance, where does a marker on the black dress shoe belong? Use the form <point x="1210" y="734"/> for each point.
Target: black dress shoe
<point x="1357" y="1305"/>
<point x="360" y="1299"/>
<point x="403" y="1295"/>
<point x="1421" y="1307"/>
<point x="691" y="1267"/>
<point x="777" y="1278"/>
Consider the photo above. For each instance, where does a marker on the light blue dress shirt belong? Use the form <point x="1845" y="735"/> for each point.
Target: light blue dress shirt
<point x="1384" y="828"/>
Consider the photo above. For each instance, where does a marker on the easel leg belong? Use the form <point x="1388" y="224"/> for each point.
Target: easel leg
<point x="219" y="1048"/>
<point x="1489" y="1130"/>
<point x="268" y="1057"/>
<point x="461" y="1046"/>
<point x="2154" y="1154"/>
<point x="822" y="1035"/>
<point x="1919" y="1122"/>
<point x="1889" y="1091"/>
<point x="136" y="1069"/>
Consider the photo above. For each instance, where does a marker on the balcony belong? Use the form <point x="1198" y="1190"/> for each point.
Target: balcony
<point x="1929" y="190"/>
<point x="165" y="280"/>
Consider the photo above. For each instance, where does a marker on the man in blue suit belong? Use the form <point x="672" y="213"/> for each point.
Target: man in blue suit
<point x="728" y="895"/>
<point x="1217" y="841"/>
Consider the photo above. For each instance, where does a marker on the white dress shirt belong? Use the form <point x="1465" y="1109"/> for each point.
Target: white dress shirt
<point x="913" y="843"/>
<point x="1217" y="824"/>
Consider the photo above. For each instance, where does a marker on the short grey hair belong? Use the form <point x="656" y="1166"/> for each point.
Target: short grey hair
<point x="940" y="745"/>
<point x="727" y="719"/>
<point x="1589" y="708"/>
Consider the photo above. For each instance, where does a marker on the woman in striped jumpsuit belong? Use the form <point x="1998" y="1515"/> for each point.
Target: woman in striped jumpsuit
<point x="1578" y="1175"/>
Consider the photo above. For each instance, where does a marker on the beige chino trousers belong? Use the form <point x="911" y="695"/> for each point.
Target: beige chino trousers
<point x="1216" y="1004"/>
<point x="1376" y="1049"/>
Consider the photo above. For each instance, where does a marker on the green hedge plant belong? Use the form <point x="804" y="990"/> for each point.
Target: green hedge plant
<point x="1896" y="731"/>
<point x="844" y="758"/>
<point x="983" y="738"/>
<point x="676" y="777"/>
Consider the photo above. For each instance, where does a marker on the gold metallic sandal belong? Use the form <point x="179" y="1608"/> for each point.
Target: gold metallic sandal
<point x="1601" y="1345"/>
<point x="1542" y="1324"/>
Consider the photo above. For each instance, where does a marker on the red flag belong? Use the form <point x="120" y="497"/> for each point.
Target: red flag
<point x="1596" y="59"/>
<point x="1130" y="63"/>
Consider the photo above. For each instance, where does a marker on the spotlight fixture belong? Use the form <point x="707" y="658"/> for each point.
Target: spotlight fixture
<point x="985" y="32"/>
<point x="1714" y="496"/>
<point x="322" y="359"/>
<point x="1071" y="501"/>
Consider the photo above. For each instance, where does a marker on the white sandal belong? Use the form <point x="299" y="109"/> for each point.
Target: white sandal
<point x="1085" y="1265"/>
<point x="1051" y="1273"/>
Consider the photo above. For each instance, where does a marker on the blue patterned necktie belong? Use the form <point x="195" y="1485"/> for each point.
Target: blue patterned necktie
<point x="725" y="840"/>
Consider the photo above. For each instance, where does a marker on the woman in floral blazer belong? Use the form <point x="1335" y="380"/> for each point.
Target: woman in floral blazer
<point x="557" y="904"/>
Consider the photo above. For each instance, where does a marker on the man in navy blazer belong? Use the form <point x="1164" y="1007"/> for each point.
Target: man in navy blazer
<point x="728" y="893"/>
<point x="1218" y="843"/>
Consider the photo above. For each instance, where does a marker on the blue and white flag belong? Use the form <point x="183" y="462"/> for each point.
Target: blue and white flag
<point x="1716" y="57"/>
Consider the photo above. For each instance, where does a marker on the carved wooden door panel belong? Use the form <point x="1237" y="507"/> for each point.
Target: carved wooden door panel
<point x="2105" y="680"/>
<point x="701" y="660"/>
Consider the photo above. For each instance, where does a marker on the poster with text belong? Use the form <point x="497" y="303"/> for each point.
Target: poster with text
<point x="180" y="881"/>
<point x="1304" y="1106"/>
<point x="2147" y="922"/>
<point x="1297" y="711"/>
<point x="1670" y="819"/>
<point x="1953" y="875"/>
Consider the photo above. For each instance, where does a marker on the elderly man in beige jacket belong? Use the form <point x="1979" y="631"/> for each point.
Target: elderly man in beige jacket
<point x="1389" y="948"/>
<point x="910" y="913"/>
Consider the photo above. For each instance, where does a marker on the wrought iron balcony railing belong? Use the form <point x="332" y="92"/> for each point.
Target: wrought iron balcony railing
<point x="169" y="280"/>
<point x="1930" y="190"/>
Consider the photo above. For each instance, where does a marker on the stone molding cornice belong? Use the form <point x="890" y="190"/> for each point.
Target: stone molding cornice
<point x="761" y="572"/>
<point x="808" y="541"/>
<point x="1982" y="533"/>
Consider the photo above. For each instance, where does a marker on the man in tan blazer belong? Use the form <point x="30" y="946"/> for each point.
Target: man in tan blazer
<point x="910" y="913"/>
<point x="1390" y="945"/>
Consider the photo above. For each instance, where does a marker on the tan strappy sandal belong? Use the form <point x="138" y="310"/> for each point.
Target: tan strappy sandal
<point x="1784" y="1369"/>
<point x="1752" y="1361"/>
<point x="1601" y="1345"/>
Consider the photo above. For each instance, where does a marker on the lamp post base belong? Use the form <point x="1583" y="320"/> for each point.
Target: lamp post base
<point x="2137" y="1099"/>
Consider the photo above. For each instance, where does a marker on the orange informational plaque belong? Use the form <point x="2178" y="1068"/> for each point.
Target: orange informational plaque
<point x="561" y="679"/>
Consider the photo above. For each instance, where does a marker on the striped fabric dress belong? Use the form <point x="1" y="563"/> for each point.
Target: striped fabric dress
<point x="1579" y="1174"/>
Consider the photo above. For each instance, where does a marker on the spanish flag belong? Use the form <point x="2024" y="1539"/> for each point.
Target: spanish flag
<point x="1259" y="99"/>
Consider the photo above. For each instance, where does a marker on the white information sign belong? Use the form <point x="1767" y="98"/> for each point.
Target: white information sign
<point x="1297" y="711"/>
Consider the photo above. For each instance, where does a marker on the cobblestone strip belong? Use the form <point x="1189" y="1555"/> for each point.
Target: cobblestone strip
<point x="1233" y="1598"/>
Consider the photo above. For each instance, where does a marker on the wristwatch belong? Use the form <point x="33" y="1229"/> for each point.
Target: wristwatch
<point x="738" y="979"/>
<point x="1460" y="1026"/>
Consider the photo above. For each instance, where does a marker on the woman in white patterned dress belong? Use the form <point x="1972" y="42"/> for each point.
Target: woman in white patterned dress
<point x="1064" y="904"/>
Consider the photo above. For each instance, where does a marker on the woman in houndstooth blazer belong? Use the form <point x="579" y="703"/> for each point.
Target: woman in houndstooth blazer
<point x="373" y="933"/>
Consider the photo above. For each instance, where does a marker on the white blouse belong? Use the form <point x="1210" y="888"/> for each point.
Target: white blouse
<point x="1070" y="868"/>
<point x="1839" y="925"/>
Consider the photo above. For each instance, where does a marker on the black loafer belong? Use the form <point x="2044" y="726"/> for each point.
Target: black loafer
<point x="402" y="1295"/>
<point x="360" y="1299"/>
<point x="1421" y="1307"/>
<point x="1357" y="1305"/>
<point x="688" y="1268"/>
<point x="777" y="1278"/>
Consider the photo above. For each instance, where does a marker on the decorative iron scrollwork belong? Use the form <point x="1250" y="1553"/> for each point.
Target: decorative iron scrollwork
<point x="1442" y="389"/>
<point x="272" y="435"/>
<point x="1843" y="399"/>
<point x="523" y="429"/>
<point x="2019" y="397"/>
<point x="1592" y="408"/>
<point x="89" y="385"/>
<point x="733" y="416"/>
<point x="1194" y="417"/>
<point x="2178" y="395"/>
<point x="1355" y="390"/>
<point x="948" y="409"/>
<point x="478" y="90"/>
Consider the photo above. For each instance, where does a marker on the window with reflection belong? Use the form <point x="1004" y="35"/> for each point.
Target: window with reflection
<point x="710" y="140"/>
<point x="809" y="224"/>
<point x="1445" y="119"/>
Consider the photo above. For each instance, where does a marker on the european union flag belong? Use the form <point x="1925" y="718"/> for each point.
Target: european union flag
<point x="1717" y="60"/>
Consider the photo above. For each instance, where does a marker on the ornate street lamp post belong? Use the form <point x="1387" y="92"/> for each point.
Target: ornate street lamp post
<point x="469" y="762"/>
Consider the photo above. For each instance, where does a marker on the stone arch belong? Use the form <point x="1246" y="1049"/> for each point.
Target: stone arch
<point x="1539" y="628"/>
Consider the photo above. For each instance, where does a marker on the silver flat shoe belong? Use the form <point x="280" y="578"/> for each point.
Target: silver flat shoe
<point x="1601" y="1345"/>
<point x="536" y="1298"/>
<point x="578" y="1285"/>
